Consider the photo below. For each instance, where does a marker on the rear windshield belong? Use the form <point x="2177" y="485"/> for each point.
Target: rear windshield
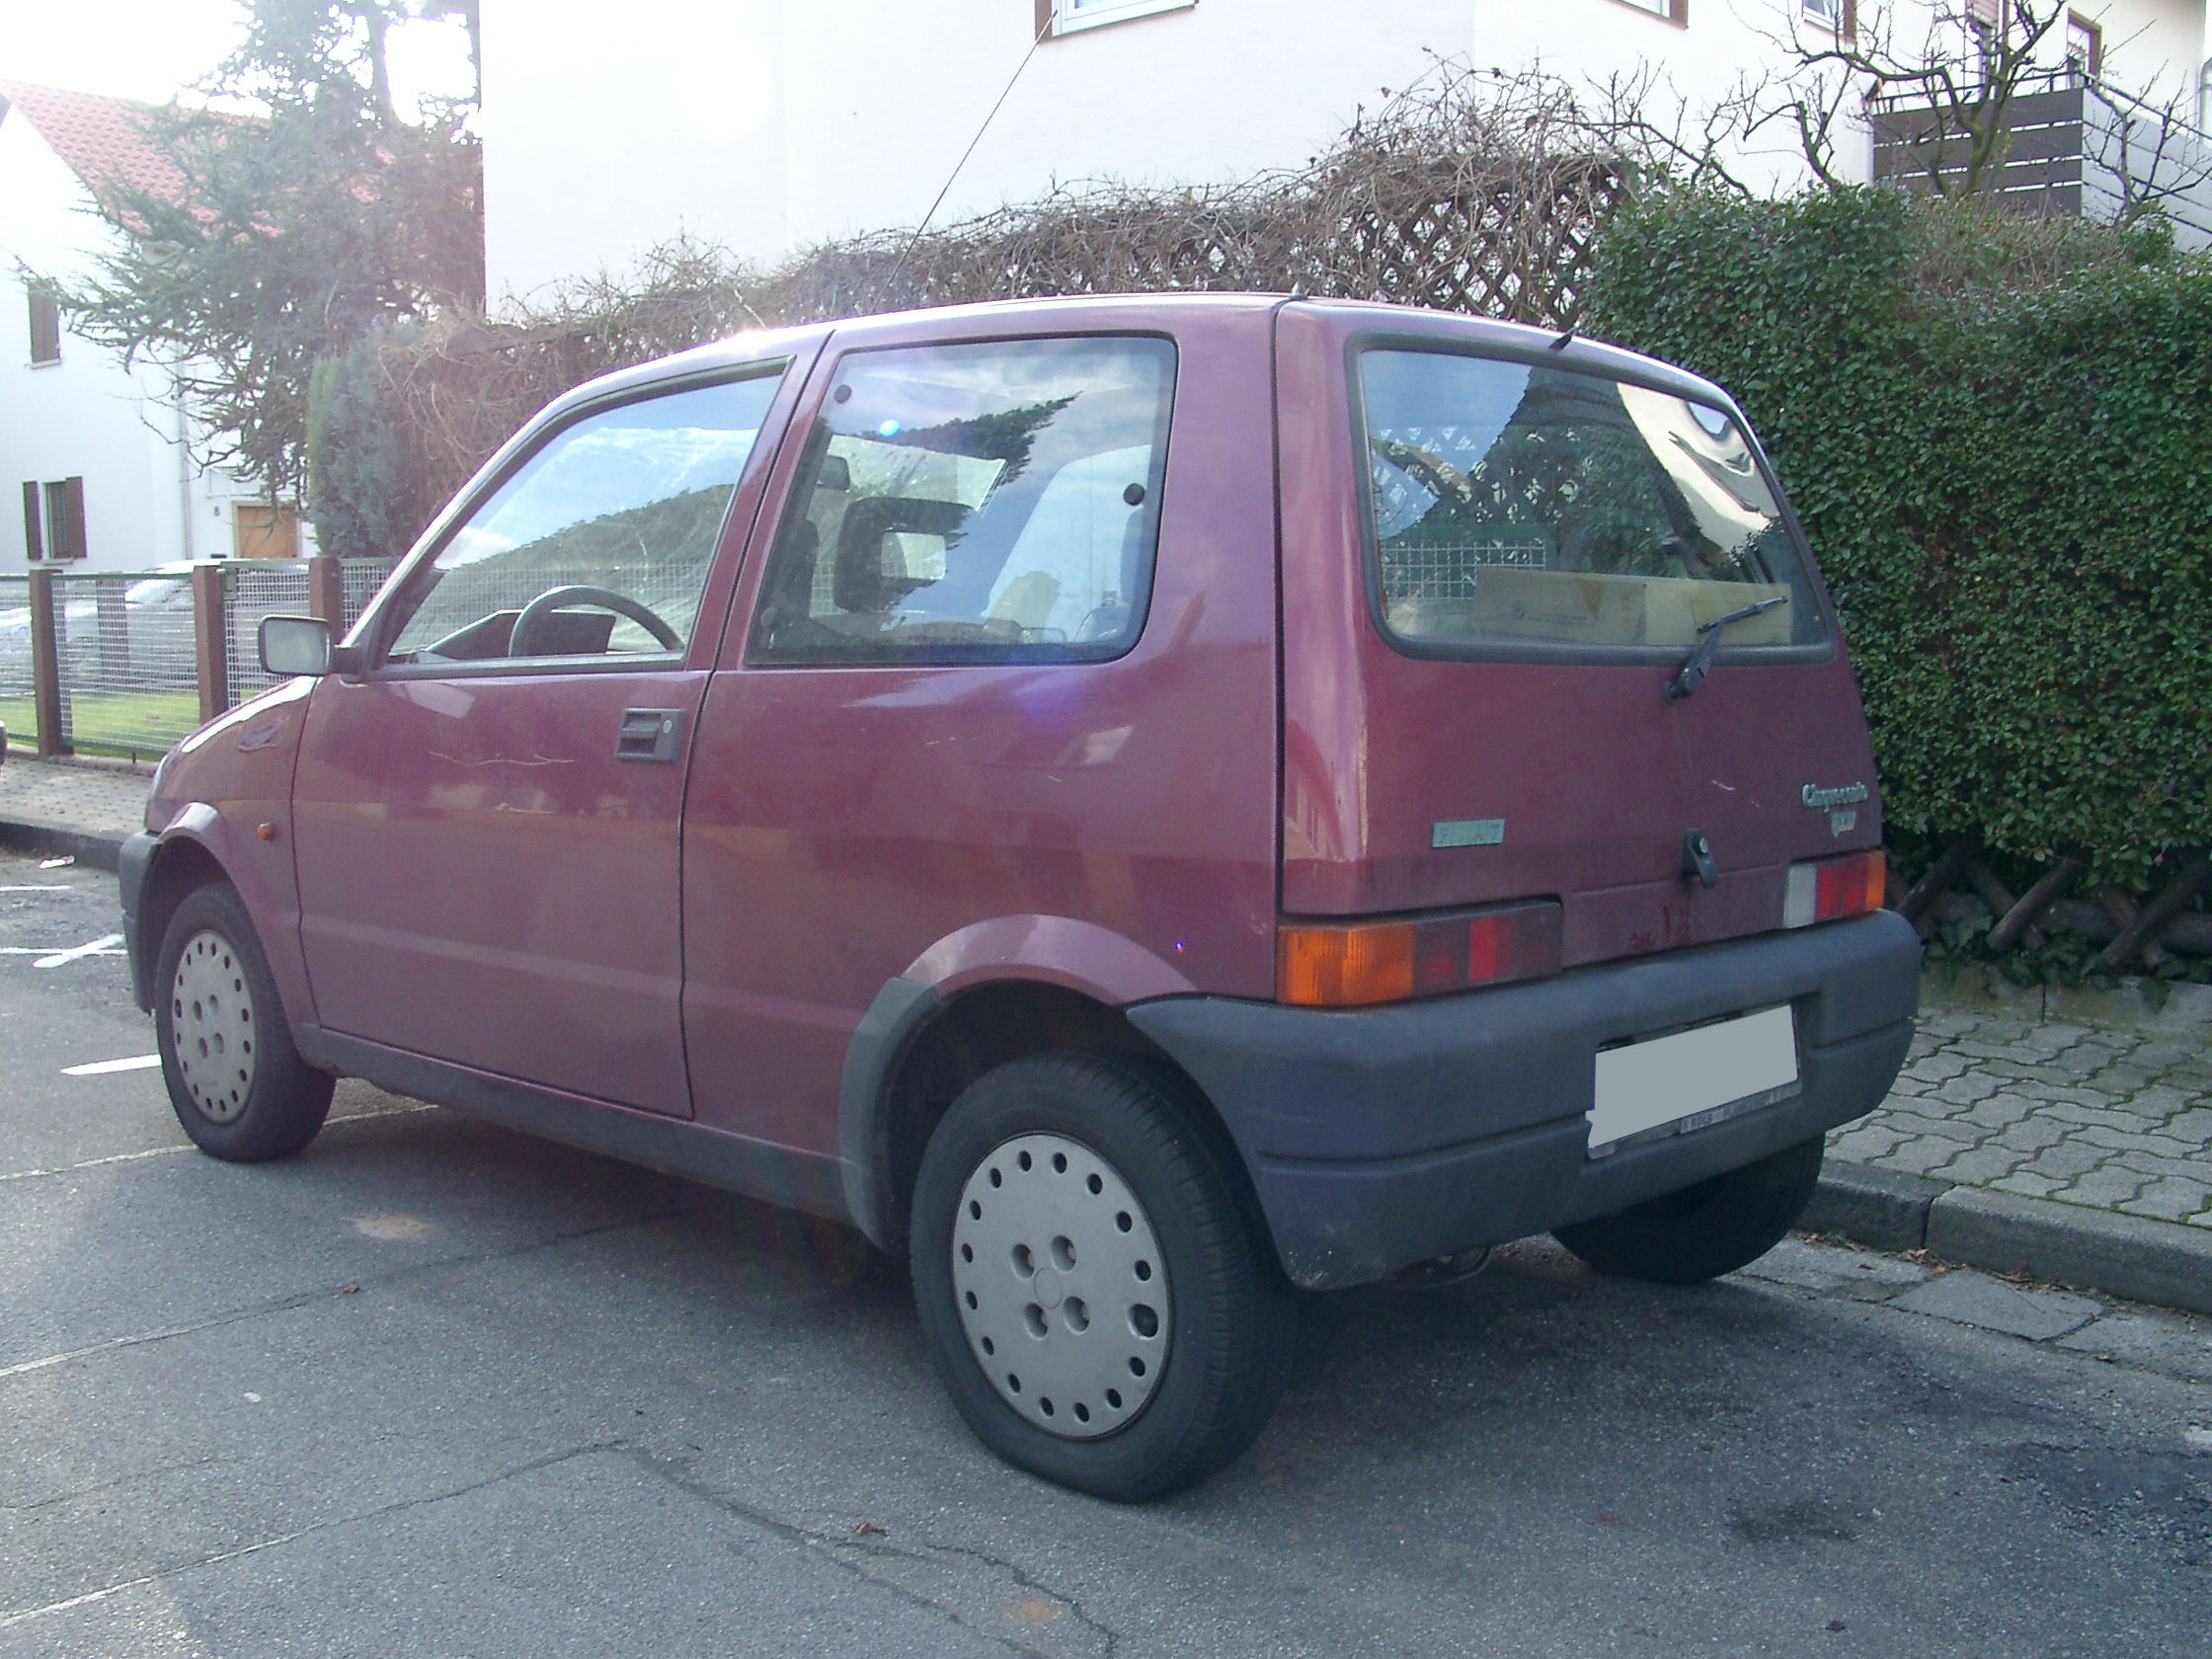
<point x="1516" y="506"/>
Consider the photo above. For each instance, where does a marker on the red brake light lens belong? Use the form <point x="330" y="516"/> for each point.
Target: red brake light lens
<point x="1355" y="965"/>
<point x="1834" y="887"/>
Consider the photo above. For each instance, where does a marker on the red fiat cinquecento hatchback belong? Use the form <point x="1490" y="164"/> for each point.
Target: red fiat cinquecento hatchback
<point x="1137" y="804"/>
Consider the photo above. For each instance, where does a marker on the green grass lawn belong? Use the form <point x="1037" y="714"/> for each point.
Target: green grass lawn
<point x="131" y="724"/>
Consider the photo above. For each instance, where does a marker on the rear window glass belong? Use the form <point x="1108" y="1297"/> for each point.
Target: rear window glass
<point x="1515" y="505"/>
<point x="975" y="503"/>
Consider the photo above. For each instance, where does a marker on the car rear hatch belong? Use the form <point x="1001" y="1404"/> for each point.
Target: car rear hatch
<point x="1499" y="555"/>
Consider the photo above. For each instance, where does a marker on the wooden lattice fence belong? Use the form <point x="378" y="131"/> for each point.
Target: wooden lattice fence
<point x="1463" y="193"/>
<point x="1961" y="887"/>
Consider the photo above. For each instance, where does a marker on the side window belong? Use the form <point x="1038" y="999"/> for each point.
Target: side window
<point x="600" y="544"/>
<point x="979" y="503"/>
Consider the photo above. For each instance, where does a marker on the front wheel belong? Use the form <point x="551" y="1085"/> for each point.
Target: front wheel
<point x="238" y="1085"/>
<point x="1702" y="1231"/>
<point x="1098" y="1296"/>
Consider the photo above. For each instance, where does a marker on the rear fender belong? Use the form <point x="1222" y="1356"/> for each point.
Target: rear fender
<point x="1091" y="961"/>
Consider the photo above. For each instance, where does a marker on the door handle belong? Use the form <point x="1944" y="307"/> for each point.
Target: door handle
<point x="651" y="735"/>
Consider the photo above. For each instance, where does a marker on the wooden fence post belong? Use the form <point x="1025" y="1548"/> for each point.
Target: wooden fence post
<point x="45" y="667"/>
<point x="326" y="591"/>
<point x="210" y="641"/>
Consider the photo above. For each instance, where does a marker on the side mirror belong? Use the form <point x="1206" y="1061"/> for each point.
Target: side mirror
<point x="301" y="645"/>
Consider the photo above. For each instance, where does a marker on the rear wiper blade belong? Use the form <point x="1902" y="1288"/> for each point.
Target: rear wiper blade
<point x="1694" y="671"/>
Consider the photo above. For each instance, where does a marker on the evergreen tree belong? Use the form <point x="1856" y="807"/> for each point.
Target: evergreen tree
<point x="314" y="211"/>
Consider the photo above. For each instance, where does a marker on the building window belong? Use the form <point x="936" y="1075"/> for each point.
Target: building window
<point x="45" y="327"/>
<point x="64" y="504"/>
<point x="1067" y="16"/>
<point x="1839" y="17"/>
<point x="1984" y="26"/>
<point x="2085" y="46"/>
<point x="1674" y="11"/>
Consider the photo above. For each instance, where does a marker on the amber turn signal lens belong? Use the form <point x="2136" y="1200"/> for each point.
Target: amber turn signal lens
<point x="1355" y="965"/>
<point x="1344" y="967"/>
<point x="1834" y="887"/>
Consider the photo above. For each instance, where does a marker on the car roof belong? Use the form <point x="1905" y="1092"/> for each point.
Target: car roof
<point x="1367" y="319"/>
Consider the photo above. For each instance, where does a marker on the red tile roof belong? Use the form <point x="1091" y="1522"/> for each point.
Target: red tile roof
<point x="103" y="140"/>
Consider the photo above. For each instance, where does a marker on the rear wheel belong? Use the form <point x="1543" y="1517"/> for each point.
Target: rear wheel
<point x="238" y="1085"/>
<point x="1702" y="1231"/>
<point x="1101" y="1302"/>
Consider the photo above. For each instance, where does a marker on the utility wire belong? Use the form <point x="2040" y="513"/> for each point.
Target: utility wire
<point x="914" y="241"/>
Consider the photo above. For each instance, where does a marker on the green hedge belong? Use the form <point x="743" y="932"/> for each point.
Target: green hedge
<point x="2007" y="476"/>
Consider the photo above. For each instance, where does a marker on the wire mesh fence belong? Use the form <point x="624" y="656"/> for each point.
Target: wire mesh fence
<point x="124" y="653"/>
<point x="126" y="661"/>
<point x="359" y="580"/>
<point x="252" y="591"/>
<point x="19" y="709"/>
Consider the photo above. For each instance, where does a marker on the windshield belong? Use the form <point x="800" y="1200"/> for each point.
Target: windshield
<point x="1515" y="504"/>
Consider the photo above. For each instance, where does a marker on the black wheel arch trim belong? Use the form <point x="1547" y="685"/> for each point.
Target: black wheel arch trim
<point x="134" y="863"/>
<point x="879" y="1043"/>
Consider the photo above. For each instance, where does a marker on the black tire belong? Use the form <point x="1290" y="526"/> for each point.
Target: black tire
<point x="1233" y="1319"/>
<point x="1702" y="1231"/>
<point x="238" y="1085"/>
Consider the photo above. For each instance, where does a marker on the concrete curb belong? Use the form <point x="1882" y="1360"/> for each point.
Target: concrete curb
<point x="2183" y="1013"/>
<point x="86" y="846"/>
<point x="1873" y="1206"/>
<point x="2164" y="1263"/>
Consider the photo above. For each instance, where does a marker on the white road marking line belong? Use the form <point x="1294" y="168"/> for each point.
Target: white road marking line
<point x="90" y="1595"/>
<point x="172" y="1151"/>
<point x="101" y="946"/>
<point x="41" y="887"/>
<point x="101" y="1067"/>
<point x="57" y="863"/>
<point x="9" y="1619"/>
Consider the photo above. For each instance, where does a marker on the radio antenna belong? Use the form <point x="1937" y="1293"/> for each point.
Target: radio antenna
<point x="1045" y="27"/>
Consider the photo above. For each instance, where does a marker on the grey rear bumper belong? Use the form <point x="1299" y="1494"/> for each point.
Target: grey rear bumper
<point x="1383" y="1136"/>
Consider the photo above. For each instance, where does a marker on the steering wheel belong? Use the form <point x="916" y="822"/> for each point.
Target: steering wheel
<point x="521" y="637"/>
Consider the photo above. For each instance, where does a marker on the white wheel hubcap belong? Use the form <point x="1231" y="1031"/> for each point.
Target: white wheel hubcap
<point x="1061" y="1286"/>
<point x="211" y="1016"/>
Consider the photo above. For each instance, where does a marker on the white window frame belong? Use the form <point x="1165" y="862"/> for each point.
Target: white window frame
<point x="2085" y="45"/>
<point x="1676" y="12"/>
<point x="1072" y="17"/>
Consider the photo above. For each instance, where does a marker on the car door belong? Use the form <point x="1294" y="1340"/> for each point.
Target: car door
<point x="963" y="697"/>
<point x="487" y="819"/>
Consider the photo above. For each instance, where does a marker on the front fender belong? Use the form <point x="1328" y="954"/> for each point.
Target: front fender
<point x="261" y="872"/>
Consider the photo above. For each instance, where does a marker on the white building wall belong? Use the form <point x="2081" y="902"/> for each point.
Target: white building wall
<point x="772" y="124"/>
<point x="87" y="416"/>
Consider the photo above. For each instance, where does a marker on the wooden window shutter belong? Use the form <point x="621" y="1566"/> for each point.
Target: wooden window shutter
<point x="45" y="327"/>
<point x="33" y="542"/>
<point x="73" y="504"/>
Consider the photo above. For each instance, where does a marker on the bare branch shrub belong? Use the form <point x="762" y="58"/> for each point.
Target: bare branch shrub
<point x="1471" y="190"/>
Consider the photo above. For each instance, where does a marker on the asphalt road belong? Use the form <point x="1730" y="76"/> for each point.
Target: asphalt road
<point x="437" y="1388"/>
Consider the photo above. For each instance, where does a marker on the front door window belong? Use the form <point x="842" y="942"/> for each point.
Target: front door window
<point x="599" y="545"/>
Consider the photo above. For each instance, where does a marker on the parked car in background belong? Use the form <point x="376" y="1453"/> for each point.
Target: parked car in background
<point x="1142" y="806"/>
<point x="147" y="631"/>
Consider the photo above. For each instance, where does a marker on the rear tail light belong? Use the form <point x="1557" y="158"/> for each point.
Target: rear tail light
<point x="1352" y="965"/>
<point x="1833" y="888"/>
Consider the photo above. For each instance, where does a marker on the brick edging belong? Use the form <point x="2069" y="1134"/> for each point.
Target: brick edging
<point x="2167" y="1263"/>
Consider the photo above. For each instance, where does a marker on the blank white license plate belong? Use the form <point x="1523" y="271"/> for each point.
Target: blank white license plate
<point x="1667" y="1085"/>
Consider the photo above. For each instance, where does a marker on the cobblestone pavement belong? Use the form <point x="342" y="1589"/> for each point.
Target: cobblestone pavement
<point x="92" y="800"/>
<point x="2090" y="1117"/>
